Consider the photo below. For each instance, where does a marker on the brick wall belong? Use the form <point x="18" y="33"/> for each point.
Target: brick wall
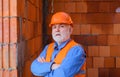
<point x="8" y="38"/>
<point x="20" y="36"/>
<point x="97" y="27"/>
<point x="30" y="37"/>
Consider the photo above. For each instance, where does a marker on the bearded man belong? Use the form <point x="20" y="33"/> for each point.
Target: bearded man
<point x="64" y="57"/>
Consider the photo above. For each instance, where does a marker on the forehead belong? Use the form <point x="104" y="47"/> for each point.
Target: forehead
<point x="62" y="24"/>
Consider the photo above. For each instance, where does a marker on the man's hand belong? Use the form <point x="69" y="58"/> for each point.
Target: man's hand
<point x="41" y="59"/>
<point x="55" y="66"/>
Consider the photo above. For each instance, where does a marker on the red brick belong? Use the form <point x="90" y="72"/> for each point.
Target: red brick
<point x="1" y="8"/>
<point x="107" y="18"/>
<point x="107" y="29"/>
<point x="38" y="3"/>
<point x="70" y="7"/>
<point x="33" y="1"/>
<point x="57" y="7"/>
<point x="85" y="28"/>
<point x="91" y="40"/>
<point x="27" y="30"/>
<point x="1" y="30"/>
<point x="113" y="40"/>
<point x="13" y="30"/>
<point x="13" y="73"/>
<point x="6" y="73"/>
<point x="1" y="57"/>
<point x="89" y="62"/>
<point x="118" y="62"/>
<point x="31" y="47"/>
<point x="38" y="43"/>
<point x="81" y="7"/>
<point x="31" y="12"/>
<point x="24" y="24"/>
<point x="115" y="51"/>
<point x="114" y="5"/>
<point x="38" y="13"/>
<point x="104" y="51"/>
<point x="34" y="56"/>
<point x="6" y="8"/>
<point x="103" y="72"/>
<point x="104" y="7"/>
<point x="85" y="39"/>
<point x="98" y="62"/>
<point x="79" y="39"/>
<point x="93" y="51"/>
<point x="96" y="28"/>
<point x="76" y="29"/>
<point x="13" y="7"/>
<point x="76" y="18"/>
<point x="1" y="73"/>
<point x="117" y="18"/>
<point x="91" y="6"/>
<point x="115" y="72"/>
<point x="92" y="72"/>
<point x="26" y="70"/>
<point x="83" y="18"/>
<point x="30" y="29"/>
<point x="37" y="29"/>
<point x="116" y="29"/>
<point x="6" y="57"/>
<point x="13" y="56"/>
<point x="98" y="18"/>
<point x="6" y="30"/>
<point x="22" y="9"/>
<point x="109" y="62"/>
<point x="102" y="40"/>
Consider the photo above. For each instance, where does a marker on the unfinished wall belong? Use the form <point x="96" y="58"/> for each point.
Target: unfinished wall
<point x="20" y="36"/>
<point x="30" y="34"/>
<point x="8" y="38"/>
<point x="97" y="27"/>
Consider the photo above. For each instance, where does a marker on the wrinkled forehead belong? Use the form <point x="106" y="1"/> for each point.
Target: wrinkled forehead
<point x="61" y="24"/>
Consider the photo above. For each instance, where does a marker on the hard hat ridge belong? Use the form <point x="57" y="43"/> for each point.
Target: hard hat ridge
<point x="61" y="17"/>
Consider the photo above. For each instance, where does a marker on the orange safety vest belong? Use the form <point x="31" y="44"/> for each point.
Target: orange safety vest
<point x="61" y="55"/>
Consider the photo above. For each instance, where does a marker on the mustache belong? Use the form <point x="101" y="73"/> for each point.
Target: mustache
<point x="57" y="34"/>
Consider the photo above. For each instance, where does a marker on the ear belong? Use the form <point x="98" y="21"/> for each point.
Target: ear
<point x="71" y="30"/>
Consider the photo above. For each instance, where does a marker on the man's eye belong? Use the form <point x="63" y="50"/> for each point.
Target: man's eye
<point x="53" y="27"/>
<point x="62" y="26"/>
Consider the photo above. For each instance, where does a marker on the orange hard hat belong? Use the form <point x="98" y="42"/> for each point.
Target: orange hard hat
<point x="61" y="17"/>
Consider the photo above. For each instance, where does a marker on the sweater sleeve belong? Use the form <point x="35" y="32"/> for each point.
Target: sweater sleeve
<point x="41" y="69"/>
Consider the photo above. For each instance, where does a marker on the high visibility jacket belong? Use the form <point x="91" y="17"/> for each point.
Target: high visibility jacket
<point x="62" y="54"/>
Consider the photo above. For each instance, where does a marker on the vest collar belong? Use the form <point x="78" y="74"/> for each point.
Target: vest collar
<point x="61" y="45"/>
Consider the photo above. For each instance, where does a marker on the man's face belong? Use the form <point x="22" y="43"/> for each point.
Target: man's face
<point x="61" y="32"/>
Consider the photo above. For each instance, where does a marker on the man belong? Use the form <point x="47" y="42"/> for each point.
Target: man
<point x="64" y="57"/>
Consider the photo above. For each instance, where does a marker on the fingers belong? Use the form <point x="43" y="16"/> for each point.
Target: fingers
<point x="41" y="59"/>
<point x="55" y="66"/>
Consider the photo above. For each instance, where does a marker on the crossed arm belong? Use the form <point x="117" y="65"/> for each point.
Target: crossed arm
<point x="53" y="66"/>
<point x="68" y="68"/>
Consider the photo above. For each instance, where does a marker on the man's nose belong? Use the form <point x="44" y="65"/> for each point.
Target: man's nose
<point x="57" y="28"/>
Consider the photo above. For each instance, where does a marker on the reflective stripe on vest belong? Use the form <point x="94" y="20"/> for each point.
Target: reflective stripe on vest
<point x="62" y="54"/>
